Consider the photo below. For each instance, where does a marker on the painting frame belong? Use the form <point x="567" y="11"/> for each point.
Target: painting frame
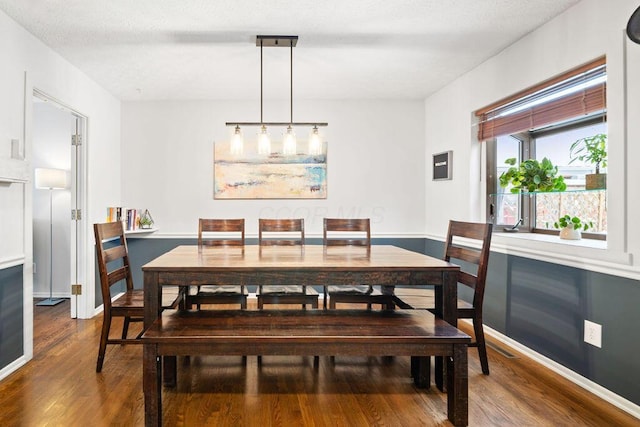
<point x="253" y="176"/>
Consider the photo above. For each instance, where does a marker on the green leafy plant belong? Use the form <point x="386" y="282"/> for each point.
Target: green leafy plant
<point x="573" y="222"/>
<point x="532" y="175"/>
<point x="591" y="149"/>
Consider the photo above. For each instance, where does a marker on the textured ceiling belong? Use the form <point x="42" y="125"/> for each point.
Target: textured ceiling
<point x="205" y="49"/>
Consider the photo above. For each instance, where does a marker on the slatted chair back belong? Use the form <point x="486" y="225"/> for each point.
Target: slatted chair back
<point x="473" y="249"/>
<point x="281" y="232"/>
<point x="220" y="232"/>
<point x="335" y="230"/>
<point x="109" y="254"/>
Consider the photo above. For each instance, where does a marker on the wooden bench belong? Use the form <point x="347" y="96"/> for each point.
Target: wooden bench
<point x="307" y="333"/>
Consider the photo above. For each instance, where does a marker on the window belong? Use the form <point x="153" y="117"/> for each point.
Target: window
<point x="543" y="122"/>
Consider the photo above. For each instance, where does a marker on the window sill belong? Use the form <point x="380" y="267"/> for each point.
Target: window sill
<point x="552" y="238"/>
<point x="586" y="254"/>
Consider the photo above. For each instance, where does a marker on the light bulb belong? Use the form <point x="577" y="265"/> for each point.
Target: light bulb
<point x="237" y="142"/>
<point x="264" y="142"/>
<point x="289" y="144"/>
<point x="315" y="143"/>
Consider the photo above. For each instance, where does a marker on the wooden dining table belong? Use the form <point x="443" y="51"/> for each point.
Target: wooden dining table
<point x="310" y="265"/>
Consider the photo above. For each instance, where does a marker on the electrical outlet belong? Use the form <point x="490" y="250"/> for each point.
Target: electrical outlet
<point x="593" y="333"/>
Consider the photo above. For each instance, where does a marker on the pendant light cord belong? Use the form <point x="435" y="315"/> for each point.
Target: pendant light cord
<point x="291" y="60"/>
<point x="261" y="120"/>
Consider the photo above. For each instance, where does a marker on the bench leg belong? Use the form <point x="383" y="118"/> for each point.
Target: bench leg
<point x="458" y="386"/>
<point x="151" y="384"/>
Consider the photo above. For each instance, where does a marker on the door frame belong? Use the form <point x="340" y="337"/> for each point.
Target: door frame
<point x="81" y="305"/>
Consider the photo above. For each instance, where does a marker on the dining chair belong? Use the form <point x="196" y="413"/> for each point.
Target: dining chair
<point x="114" y="268"/>
<point x="284" y="232"/>
<point x="217" y="233"/>
<point x="352" y="232"/>
<point x="468" y="245"/>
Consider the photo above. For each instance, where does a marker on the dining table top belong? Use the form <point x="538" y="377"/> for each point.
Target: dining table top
<point x="353" y="258"/>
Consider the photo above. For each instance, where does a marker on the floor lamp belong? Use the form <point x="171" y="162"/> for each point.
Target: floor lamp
<point x="51" y="179"/>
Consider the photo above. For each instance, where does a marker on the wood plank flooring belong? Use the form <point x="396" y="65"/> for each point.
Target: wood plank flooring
<point x="60" y="387"/>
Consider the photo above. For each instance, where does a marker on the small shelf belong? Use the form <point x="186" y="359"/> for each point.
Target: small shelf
<point x="140" y="231"/>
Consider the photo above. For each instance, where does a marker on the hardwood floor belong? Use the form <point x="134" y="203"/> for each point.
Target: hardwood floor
<point x="60" y="387"/>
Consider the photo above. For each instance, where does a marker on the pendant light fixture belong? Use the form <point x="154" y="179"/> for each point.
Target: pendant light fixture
<point x="289" y="138"/>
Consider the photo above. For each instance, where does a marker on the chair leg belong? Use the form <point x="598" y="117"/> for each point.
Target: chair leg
<point x="421" y="371"/>
<point x="104" y="336"/>
<point x="482" y="347"/>
<point x="125" y="327"/>
<point x="185" y="298"/>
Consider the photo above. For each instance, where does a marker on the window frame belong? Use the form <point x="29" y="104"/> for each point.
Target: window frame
<point x="528" y="202"/>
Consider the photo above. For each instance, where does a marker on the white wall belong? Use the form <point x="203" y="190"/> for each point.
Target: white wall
<point x="27" y="64"/>
<point x="590" y="29"/>
<point x="375" y="163"/>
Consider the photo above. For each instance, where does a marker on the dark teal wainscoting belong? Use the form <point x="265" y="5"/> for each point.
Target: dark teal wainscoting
<point x="11" y="315"/>
<point x="543" y="306"/>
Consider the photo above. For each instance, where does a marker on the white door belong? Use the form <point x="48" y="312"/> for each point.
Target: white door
<point x="78" y="237"/>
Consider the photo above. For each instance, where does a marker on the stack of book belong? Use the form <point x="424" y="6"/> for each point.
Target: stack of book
<point x="130" y="217"/>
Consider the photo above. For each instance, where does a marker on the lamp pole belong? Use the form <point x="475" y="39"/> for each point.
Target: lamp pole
<point x="50" y="301"/>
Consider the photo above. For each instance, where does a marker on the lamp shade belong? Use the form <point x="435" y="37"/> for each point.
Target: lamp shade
<point x="51" y="178"/>
<point x="315" y="143"/>
<point x="289" y="143"/>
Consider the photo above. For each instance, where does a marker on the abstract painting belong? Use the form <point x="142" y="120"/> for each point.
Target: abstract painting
<point x="275" y="176"/>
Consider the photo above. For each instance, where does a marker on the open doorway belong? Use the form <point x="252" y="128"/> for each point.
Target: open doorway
<point x="57" y="133"/>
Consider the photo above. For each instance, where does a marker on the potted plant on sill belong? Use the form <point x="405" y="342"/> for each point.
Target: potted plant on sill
<point x="592" y="149"/>
<point x="571" y="228"/>
<point x="532" y="175"/>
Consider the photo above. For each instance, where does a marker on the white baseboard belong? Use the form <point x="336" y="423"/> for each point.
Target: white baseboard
<point x="12" y="367"/>
<point x="585" y="383"/>
<point x="54" y="295"/>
